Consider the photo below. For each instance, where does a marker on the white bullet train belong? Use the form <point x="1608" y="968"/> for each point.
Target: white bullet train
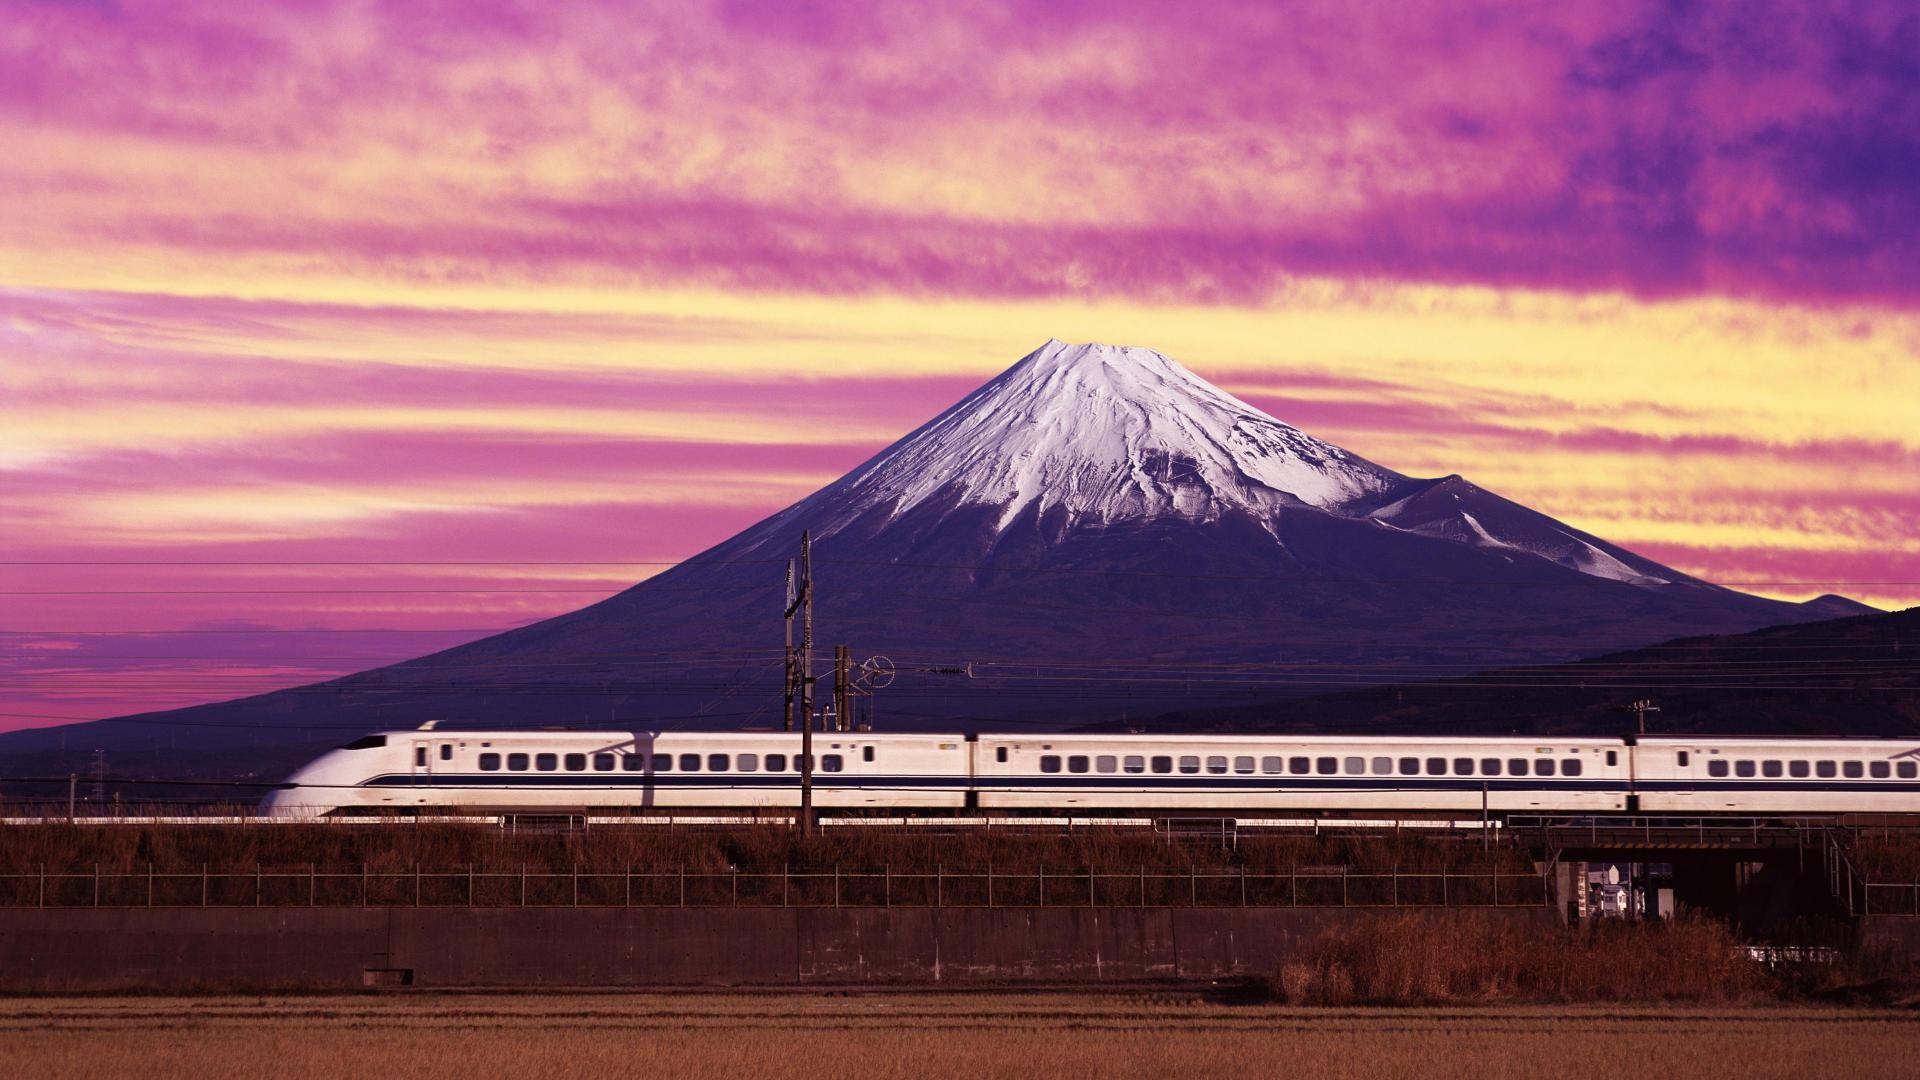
<point x="535" y="771"/>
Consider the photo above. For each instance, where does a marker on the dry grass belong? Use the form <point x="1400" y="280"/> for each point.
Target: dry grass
<point x="1890" y="856"/>
<point x="981" y="1037"/>
<point x="1408" y="958"/>
<point x="400" y="844"/>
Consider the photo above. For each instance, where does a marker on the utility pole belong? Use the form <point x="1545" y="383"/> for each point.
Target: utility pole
<point x="792" y="688"/>
<point x="99" y="776"/>
<point x="842" y="677"/>
<point x="1640" y="709"/>
<point x="806" y="683"/>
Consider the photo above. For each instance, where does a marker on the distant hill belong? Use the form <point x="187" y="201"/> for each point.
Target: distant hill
<point x="1852" y="676"/>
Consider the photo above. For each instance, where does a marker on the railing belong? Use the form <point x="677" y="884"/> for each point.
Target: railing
<point x="1656" y="831"/>
<point x="937" y="886"/>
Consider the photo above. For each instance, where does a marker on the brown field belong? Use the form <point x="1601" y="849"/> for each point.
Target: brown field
<point x="978" y="1036"/>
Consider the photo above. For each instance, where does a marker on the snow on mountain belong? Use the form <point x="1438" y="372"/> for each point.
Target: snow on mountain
<point x="1107" y="434"/>
<point x="1103" y="435"/>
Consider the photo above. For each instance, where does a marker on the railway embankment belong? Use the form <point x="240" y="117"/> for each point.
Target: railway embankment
<point x="1330" y="917"/>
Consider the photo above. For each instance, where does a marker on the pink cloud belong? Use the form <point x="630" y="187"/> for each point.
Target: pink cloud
<point x="1037" y="148"/>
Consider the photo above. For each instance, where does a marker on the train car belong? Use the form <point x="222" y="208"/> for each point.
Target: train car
<point x="1244" y="772"/>
<point x="474" y="771"/>
<point x="1721" y="774"/>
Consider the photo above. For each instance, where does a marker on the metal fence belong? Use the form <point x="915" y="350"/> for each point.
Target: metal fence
<point x="829" y="887"/>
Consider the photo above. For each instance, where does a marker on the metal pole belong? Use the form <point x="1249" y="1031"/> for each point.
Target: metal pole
<point x="73" y="783"/>
<point x="791" y="687"/>
<point x="806" y="684"/>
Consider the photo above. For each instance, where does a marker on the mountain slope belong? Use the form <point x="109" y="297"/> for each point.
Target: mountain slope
<point x="1096" y="532"/>
<point x="1852" y="676"/>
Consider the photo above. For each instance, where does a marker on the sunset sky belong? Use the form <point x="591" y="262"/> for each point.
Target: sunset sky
<point x="334" y="333"/>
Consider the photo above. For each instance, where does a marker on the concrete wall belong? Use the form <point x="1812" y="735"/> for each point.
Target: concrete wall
<point x="188" y="948"/>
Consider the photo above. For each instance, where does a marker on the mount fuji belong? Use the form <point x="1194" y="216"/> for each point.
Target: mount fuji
<point x="1096" y="534"/>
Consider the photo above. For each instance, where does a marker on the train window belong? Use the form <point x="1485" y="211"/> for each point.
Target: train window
<point x="1743" y="768"/>
<point x="663" y="763"/>
<point x="1272" y="765"/>
<point x="1907" y="769"/>
<point x="1299" y="765"/>
<point x="489" y="762"/>
<point x="603" y="763"/>
<point x="1799" y="769"/>
<point x="516" y="763"/>
<point x="1162" y="763"/>
<point x="1852" y="770"/>
<point x="1189" y="763"/>
<point x="866" y="753"/>
<point x="719" y="762"/>
<point x="1078" y="763"/>
<point x="1879" y="770"/>
<point x="1463" y="766"/>
<point x="1000" y="754"/>
<point x="576" y="763"/>
<point x="1771" y="767"/>
<point x="633" y="763"/>
<point x="1490" y="766"/>
<point x="1613" y="758"/>
<point x="748" y="762"/>
<point x="1436" y="766"/>
<point x="1356" y="766"/>
<point x="1383" y="766"/>
<point x="1217" y="764"/>
<point x="1106" y="763"/>
<point x="1543" y="766"/>
<point x="799" y="763"/>
<point x="1243" y="765"/>
<point x="1682" y="757"/>
<point x="1825" y="770"/>
<point x="1717" y="767"/>
<point x="831" y="763"/>
<point x="1326" y="766"/>
<point x="1409" y="766"/>
<point x="1516" y="766"/>
<point x="1572" y="767"/>
<point x="546" y="762"/>
<point x="1134" y="764"/>
<point x="689" y="762"/>
<point x="420" y="756"/>
<point x="776" y="763"/>
<point x="446" y="751"/>
<point x="1049" y="763"/>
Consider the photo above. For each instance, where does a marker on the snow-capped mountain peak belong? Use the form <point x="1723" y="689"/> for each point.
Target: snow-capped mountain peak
<point x="1107" y="433"/>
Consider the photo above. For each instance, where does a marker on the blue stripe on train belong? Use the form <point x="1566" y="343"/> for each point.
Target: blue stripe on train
<point x="604" y="781"/>
<point x="1117" y="783"/>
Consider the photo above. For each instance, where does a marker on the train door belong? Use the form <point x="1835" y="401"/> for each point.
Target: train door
<point x="422" y="764"/>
